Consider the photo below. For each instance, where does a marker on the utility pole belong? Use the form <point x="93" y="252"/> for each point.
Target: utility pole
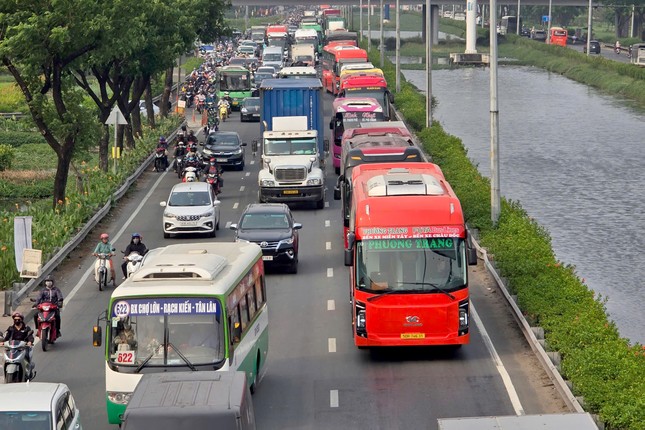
<point x="428" y="64"/>
<point x="398" y="48"/>
<point x="494" y="119"/>
<point x="382" y="39"/>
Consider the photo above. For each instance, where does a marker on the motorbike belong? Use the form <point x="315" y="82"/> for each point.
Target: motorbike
<point x="46" y="323"/>
<point x="102" y="273"/>
<point x="17" y="366"/>
<point x="223" y="112"/>
<point x="134" y="262"/>
<point x="191" y="169"/>
<point x="179" y="167"/>
<point x="161" y="160"/>
<point x="213" y="180"/>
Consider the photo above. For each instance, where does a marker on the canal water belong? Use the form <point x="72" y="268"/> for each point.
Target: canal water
<point x="575" y="160"/>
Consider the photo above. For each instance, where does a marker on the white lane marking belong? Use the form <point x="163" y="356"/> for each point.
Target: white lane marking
<point x="331" y="305"/>
<point x="252" y="161"/>
<point x="327" y="223"/>
<point x="327" y="246"/>
<point x="228" y="224"/>
<point x="90" y="270"/>
<point x="326" y="204"/>
<point x="330" y="272"/>
<point x="333" y="398"/>
<point x="236" y="205"/>
<point x="242" y="188"/>
<point x="506" y="379"/>
<point x="248" y="174"/>
<point x="331" y="344"/>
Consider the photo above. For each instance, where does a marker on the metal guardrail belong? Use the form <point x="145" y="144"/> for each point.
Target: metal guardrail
<point x="52" y="263"/>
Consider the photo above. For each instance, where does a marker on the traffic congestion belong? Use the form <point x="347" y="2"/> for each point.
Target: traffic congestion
<point x="291" y="228"/>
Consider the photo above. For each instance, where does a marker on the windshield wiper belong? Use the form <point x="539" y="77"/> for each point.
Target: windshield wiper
<point x="145" y="361"/>
<point x="183" y="357"/>
<point x="385" y="293"/>
<point x="435" y="286"/>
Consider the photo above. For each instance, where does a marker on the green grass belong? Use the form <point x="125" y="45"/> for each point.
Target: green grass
<point x="410" y="21"/>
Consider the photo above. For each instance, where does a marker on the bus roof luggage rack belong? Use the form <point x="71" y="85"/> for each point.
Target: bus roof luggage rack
<point x="400" y="182"/>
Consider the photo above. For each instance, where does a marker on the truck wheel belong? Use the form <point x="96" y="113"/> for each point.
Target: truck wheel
<point x="320" y="204"/>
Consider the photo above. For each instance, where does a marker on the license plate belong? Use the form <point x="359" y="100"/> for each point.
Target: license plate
<point x="222" y="160"/>
<point x="290" y="192"/>
<point x="256" y="115"/>
<point x="188" y="223"/>
<point x="267" y="257"/>
<point x="413" y="335"/>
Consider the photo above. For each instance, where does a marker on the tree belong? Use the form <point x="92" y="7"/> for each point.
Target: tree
<point x="39" y="40"/>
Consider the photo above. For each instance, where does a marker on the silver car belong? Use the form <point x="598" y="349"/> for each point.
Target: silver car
<point x="192" y="207"/>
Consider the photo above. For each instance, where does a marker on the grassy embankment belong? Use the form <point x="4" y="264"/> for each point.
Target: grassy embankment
<point x="606" y="371"/>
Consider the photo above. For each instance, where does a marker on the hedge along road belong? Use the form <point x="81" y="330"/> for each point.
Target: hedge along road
<point x="572" y="161"/>
<point x="316" y="378"/>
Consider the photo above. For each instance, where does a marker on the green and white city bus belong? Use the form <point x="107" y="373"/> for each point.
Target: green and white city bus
<point x="236" y="80"/>
<point x="189" y="307"/>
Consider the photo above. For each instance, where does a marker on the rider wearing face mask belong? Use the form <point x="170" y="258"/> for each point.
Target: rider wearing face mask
<point x="135" y="246"/>
<point x="50" y="294"/>
<point x="20" y="331"/>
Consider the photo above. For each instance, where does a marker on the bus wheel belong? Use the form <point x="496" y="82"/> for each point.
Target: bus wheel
<point x="254" y="384"/>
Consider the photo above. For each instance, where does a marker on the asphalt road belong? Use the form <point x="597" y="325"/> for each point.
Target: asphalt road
<point x="316" y="378"/>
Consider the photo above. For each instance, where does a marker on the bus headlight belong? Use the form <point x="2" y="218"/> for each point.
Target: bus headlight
<point x="463" y="317"/>
<point x="119" y="397"/>
<point x="360" y="321"/>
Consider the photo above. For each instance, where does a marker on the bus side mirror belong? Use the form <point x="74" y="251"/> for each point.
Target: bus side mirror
<point x="96" y="335"/>
<point x="331" y="124"/>
<point x="351" y="238"/>
<point x="472" y="256"/>
<point x="390" y="97"/>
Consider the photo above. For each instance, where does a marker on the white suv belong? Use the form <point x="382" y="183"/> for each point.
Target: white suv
<point x="192" y="207"/>
<point x="38" y="405"/>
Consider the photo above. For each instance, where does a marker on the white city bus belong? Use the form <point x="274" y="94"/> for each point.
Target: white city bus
<point x="189" y="307"/>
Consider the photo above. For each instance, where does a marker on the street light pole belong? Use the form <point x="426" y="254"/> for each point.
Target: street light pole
<point x="360" y="15"/>
<point x="382" y="39"/>
<point x="398" y="47"/>
<point x="548" y="27"/>
<point x="495" y="196"/>
<point x="369" y="25"/>
<point x="589" y="33"/>
<point x="428" y="64"/>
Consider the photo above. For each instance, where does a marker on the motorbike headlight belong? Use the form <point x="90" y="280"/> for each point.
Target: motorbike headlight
<point x="207" y="214"/>
<point x="267" y="183"/>
<point x="314" y="181"/>
<point x="119" y="397"/>
<point x="169" y="215"/>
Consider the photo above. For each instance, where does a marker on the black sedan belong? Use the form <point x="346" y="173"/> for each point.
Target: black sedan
<point x="250" y="109"/>
<point x="226" y="147"/>
<point x="271" y="226"/>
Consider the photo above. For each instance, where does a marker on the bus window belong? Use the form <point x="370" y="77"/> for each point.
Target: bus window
<point x="244" y="313"/>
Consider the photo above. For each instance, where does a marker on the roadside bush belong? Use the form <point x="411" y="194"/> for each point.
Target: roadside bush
<point x="6" y="157"/>
<point x="19" y="138"/>
<point x="11" y="99"/>
<point x="604" y="368"/>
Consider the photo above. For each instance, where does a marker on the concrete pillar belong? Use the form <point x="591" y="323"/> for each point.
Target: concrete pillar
<point x="471" y="27"/>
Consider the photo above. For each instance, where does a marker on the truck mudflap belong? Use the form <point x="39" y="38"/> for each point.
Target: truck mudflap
<point x="292" y="194"/>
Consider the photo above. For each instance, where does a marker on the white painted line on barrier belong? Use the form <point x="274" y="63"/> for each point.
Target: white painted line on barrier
<point x="333" y="398"/>
<point x="242" y="188"/>
<point x="327" y="246"/>
<point x="330" y="272"/>
<point x="331" y="305"/>
<point x="331" y="344"/>
<point x="506" y="379"/>
<point x="326" y="204"/>
<point x="228" y="224"/>
<point x="327" y="223"/>
<point x="115" y="237"/>
<point x="236" y="205"/>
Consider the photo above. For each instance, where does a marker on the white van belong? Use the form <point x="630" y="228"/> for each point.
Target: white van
<point x="273" y="56"/>
<point x="38" y="406"/>
<point x="298" y="72"/>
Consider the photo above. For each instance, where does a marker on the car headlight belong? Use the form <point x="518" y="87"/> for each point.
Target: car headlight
<point x="244" y="110"/>
<point x="119" y="397"/>
<point x="287" y="241"/>
<point x="315" y="181"/>
<point x="238" y="151"/>
<point x="267" y="183"/>
<point x="169" y="215"/>
<point x="237" y="239"/>
<point x="207" y="214"/>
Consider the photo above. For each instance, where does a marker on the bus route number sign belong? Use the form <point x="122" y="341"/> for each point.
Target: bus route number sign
<point x="125" y="357"/>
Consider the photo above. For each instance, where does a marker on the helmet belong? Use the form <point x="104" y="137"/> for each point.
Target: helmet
<point x="183" y="128"/>
<point x="105" y="236"/>
<point x="191" y="132"/>
<point x="226" y="94"/>
<point x="191" y="177"/>
<point x="162" y="139"/>
<point x="136" y="235"/>
<point x="49" y="278"/>
<point x="18" y="315"/>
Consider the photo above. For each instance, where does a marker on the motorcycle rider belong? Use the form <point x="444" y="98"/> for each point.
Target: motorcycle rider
<point x="214" y="169"/>
<point x="135" y="245"/>
<point x="191" y="137"/>
<point x="162" y="146"/>
<point x="180" y="151"/>
<point x="21" y="331"/>
<point x="225" y="101"/>
<point x="617" y="47"/>
<point x="50" y="294"/>
<point x="105" y="247"/>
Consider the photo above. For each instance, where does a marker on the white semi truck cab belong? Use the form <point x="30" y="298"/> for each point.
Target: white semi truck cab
<point x="291" y="165"/>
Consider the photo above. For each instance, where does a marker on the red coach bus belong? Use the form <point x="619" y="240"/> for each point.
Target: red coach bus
<point x="335" y="57"/>
<point x="367" y="84"/>
<point x="558" y="36"/>
<point x="409" y="253"/>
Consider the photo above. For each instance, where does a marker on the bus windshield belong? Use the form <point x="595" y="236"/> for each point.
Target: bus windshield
<point x="234" y="82"/>
<point x="354" y="118"/>
<point x="290" y="146"/>
<point x="420" y="265"/>
<point x="166" y="332"/>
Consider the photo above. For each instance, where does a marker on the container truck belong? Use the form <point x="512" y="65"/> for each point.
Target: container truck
<point x="293" y="144"/>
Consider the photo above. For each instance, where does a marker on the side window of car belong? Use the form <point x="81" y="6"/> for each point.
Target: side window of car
<point x="62" y="412"/>
<point x="71" y="405"/>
